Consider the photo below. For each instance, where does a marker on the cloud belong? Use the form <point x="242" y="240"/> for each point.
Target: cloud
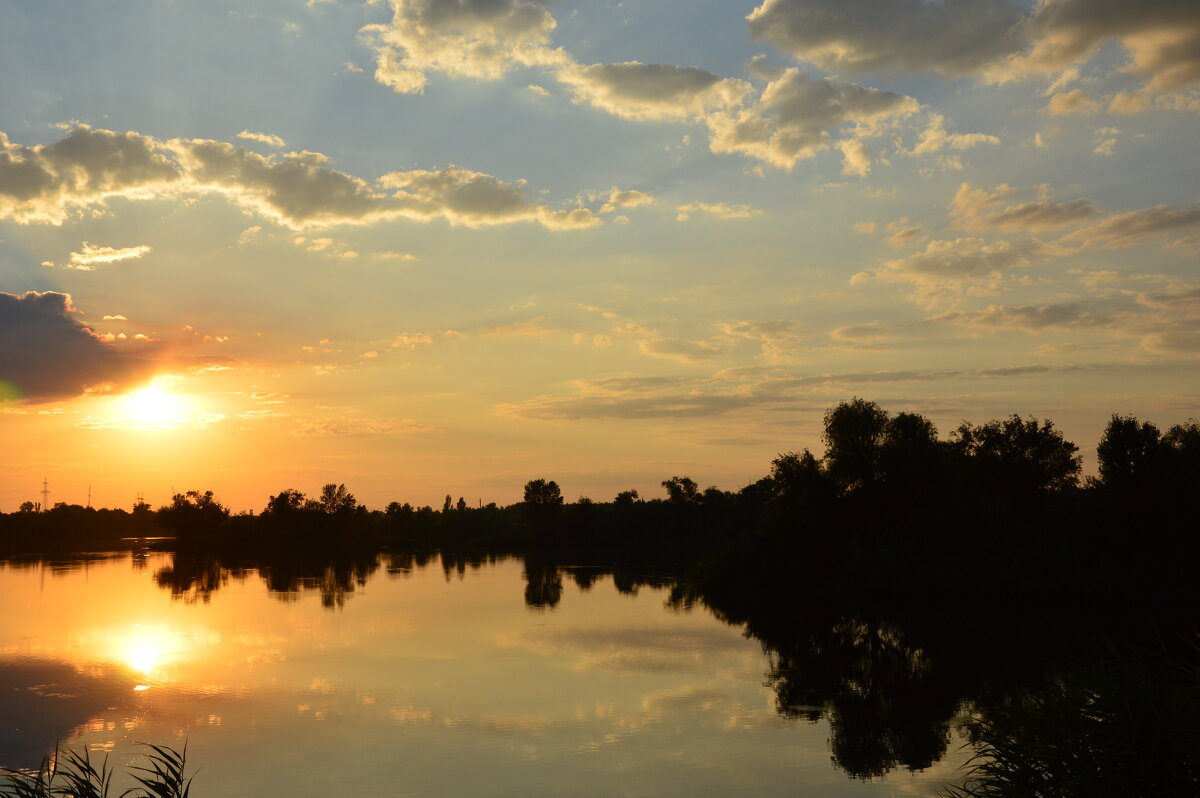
<point x="1045" y="215"/>
<point x="861" y="36"/>
<point x="978" y="208"/>
<point x="679" y="349"/>
<point x="1162" y="37"/>
<point x="729" y="391"/>
<point x="47" y="183"/>
<point x="475" y="199"/>
<point x="1032" y="318"/>
<point x="780" y="339"/>
<point x="633" y="90"/>
<point x="949" y="269"/>
<point x="263" y="138"/>
<point x="860" y="336"/>
<point x="46" y="355"/>
<point x="325" y="427"/>
<point x="989" y="39"/>
<point x="935" y="138"/>
<point x="1135" y="227"/>
<point x="795" y="113"/>
<point x="630" y="198"/>
<point x="1076" y="101"/>
<point x="719" y="209"/>
<point x="85" y="259"/>
<point x="480" y="39"/>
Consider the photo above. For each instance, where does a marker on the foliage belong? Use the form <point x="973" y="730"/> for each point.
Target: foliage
<point x="73" y="774"/>
<point x="1123" y="725"/>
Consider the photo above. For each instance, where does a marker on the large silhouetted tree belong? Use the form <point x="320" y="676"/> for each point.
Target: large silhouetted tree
<point x="854" y="435"/>
<point x="682" y="490"/>
<point x="543" y="492"/>
<point x="1129" y="453"/>
<point x="1018" y="457"/>
<point x="336" y="500"/>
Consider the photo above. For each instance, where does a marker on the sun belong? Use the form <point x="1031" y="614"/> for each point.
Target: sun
<point x="155" y="404"/>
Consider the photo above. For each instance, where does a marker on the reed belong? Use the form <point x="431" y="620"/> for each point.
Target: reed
<point x="74" y="774"/>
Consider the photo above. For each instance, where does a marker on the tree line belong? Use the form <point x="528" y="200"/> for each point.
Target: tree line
<point x="888" y="500"/>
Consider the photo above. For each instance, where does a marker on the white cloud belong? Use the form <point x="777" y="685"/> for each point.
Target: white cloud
<point x="262" y="138"/>
<point x="793" y="119"/>
<point x="46" y="184"/>
<point x="480" y="39"/>
<point x="634" y="90"/>
<point x="719" y="209"/>
<point x="629" y="198"/>
<point x="935" y="138"/>
<point x="86" y="259"/>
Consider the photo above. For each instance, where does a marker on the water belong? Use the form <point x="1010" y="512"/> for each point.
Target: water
<point x="406" y="681"/>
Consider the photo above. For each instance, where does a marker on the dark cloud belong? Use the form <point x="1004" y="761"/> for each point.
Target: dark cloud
<point x="860" y="36"/>
<point x="45" y="354"/>
<point x="995" y="39"/>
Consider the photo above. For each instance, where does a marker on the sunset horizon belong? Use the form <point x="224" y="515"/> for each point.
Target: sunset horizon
<point x="429" y="248"/>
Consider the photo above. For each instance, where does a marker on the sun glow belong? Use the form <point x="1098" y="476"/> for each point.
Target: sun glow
<point x="149" y="650"/>
<point x="155" y="405"/>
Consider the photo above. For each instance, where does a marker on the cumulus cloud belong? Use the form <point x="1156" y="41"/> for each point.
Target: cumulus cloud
<point x="993" y="39"/>
<point x="629" y="198"/>
<point x="89" y="255"/>
<point x="475" y="199"/>
<point x="935" y="138"/>
<point x="480" y="39"/>
<point x="1075" y="101"/>
<point x="959" y="266"/>
<point x="633" y="90"/>
<point x="45" y="184"/>
<point x="792" y="119"/>
<point x="46" y="355"/>
<point x="860" y="36"/>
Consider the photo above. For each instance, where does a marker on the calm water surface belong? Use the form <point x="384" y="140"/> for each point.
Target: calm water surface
<point x="417" y="684"/>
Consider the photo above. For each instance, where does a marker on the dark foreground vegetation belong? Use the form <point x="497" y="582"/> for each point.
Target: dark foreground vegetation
<point x="74" y="774"/>
<point x="901" y="584"/>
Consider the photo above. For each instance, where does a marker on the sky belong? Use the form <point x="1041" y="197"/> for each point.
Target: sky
<point x="430" y="247"/>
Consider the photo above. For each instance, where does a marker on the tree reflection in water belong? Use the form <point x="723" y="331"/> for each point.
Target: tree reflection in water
<point x="890" y="678"/>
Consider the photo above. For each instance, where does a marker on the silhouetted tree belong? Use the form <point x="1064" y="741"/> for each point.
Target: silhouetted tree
<point x="287" y="501"/>
<point x="193" y="513"/>
<point x="1018" y="457"/>
<point x="854" y="436"/>
<point x="626" y="498"/>
<point x="543" y="492"/>
<point x="682" y="490"/>
<point x="336" y="500"/>
<point x="1129" y="453"/>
